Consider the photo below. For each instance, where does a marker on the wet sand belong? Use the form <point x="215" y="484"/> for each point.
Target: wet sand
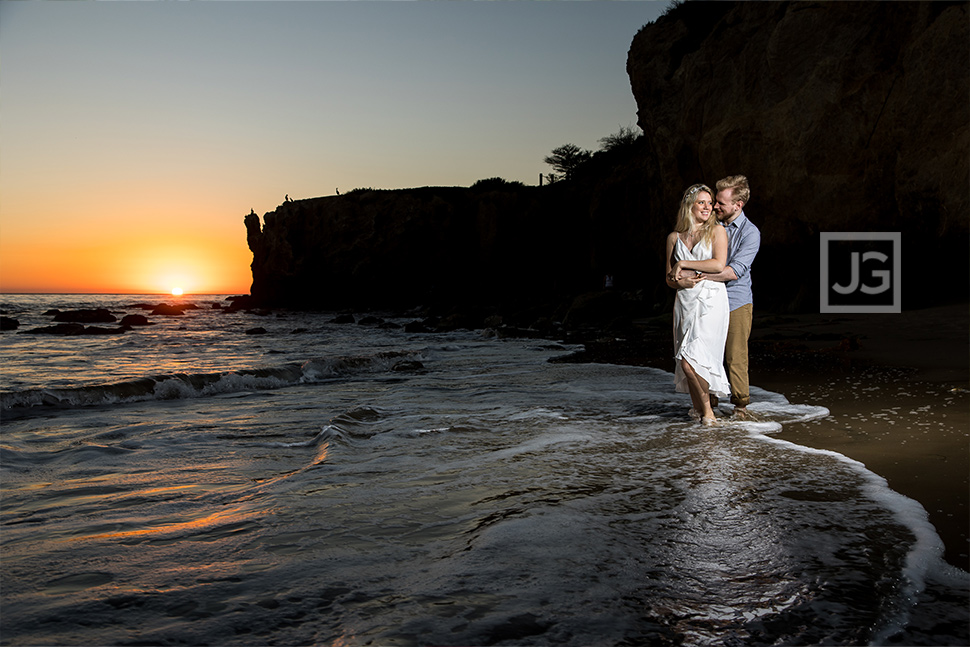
<point x="897" y="387"/>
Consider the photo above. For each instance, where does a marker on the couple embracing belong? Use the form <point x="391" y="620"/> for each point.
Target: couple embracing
<point x="709" y="257"/>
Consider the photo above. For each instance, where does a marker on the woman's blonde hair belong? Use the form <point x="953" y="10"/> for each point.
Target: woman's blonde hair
<point x="684" y="220"/>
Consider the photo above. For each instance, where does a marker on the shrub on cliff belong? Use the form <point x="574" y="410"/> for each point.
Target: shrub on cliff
<point x="492" y="183"/>
<point x="623" y="138"/>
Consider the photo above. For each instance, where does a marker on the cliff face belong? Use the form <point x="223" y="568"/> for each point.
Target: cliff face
<point x="845" y="116"/>
<point x="412" y="246"/>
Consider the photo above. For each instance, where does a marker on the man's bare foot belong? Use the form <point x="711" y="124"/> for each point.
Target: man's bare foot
<point x="741" y="413"/>
<point x="693" y="413"/>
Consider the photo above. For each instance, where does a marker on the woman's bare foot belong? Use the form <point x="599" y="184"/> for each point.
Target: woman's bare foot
<point x="709" y="422"/>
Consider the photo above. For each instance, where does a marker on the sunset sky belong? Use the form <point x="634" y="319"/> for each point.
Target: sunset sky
<point x="135" y="136"/>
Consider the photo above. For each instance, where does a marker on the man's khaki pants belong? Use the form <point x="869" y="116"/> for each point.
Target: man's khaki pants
<point x="736" y="354"/>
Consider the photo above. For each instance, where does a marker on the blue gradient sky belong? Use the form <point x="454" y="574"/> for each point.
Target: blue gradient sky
<point x="149" y="129"/>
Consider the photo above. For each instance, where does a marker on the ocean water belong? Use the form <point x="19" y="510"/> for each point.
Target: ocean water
<point x="187" y="483"/>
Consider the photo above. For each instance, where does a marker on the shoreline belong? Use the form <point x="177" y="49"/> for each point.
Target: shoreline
<point x="910" y="431"/>
<point x="897" y="387"/>
<point x="898" y="394"/>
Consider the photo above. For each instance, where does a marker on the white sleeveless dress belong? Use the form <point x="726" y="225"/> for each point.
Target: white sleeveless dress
<point x="701" y="316"/>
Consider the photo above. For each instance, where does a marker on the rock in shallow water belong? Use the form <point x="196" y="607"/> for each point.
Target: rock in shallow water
<point x="168" y="310"/>
<point x="135" y="320"/>
<point x="97" y="315"/>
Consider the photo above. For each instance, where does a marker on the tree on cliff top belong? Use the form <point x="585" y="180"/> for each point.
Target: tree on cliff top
<point x="567" y="158"/>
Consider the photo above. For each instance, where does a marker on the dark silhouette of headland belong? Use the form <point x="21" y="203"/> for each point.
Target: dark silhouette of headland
<point x="845" y="116"/>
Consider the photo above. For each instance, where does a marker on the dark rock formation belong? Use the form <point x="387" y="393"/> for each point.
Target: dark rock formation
<point x="97" y="315"/>
<point x="9" y="323"/>
<point x="404" y="247"/>
<point x="135" y="320"/>
<point x="845" y="116"/>
<point x="238" y="303"/>
<point x="168" y="310"/>
<point x="57" y="329"/>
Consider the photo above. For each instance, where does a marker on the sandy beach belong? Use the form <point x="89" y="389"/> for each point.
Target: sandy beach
<point x="896" y="386"/>
<point x="897" y="389"/>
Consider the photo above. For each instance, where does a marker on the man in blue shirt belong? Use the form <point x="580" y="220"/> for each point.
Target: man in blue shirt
<point x="744" y="240"/>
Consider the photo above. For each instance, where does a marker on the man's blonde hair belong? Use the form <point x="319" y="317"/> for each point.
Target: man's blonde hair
<point x="738" y="185"/>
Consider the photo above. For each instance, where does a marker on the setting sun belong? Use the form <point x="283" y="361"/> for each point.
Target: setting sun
<point x="176" y="292"/>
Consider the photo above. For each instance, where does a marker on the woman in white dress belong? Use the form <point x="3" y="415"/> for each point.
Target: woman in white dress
<point x="698" y="245"/>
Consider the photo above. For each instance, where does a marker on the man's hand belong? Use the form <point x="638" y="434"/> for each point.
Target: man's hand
<point x="688" y="280"/>
<point x="677" y="272"/>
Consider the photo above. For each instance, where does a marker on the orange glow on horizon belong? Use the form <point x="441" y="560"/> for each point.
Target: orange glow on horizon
<point x="128" y="262"/>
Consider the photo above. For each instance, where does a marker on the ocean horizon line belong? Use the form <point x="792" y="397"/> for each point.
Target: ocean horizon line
<point x="186" y="294"/>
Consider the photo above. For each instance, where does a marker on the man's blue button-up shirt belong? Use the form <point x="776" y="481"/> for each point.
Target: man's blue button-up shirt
<point x="744" y="241"/>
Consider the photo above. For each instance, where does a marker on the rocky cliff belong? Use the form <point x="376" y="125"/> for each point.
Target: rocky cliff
<point x="845" y="117"/>
<point x="370" y="248"/>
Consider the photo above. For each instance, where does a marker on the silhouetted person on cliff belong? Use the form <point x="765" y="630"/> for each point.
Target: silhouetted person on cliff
<point x="744" y="240"/>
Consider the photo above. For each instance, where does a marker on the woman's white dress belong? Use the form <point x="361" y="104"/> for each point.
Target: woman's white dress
<point x="701" y="316"/>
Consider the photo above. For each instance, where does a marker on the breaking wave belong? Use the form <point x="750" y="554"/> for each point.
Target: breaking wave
<point x="175" y="386"/>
